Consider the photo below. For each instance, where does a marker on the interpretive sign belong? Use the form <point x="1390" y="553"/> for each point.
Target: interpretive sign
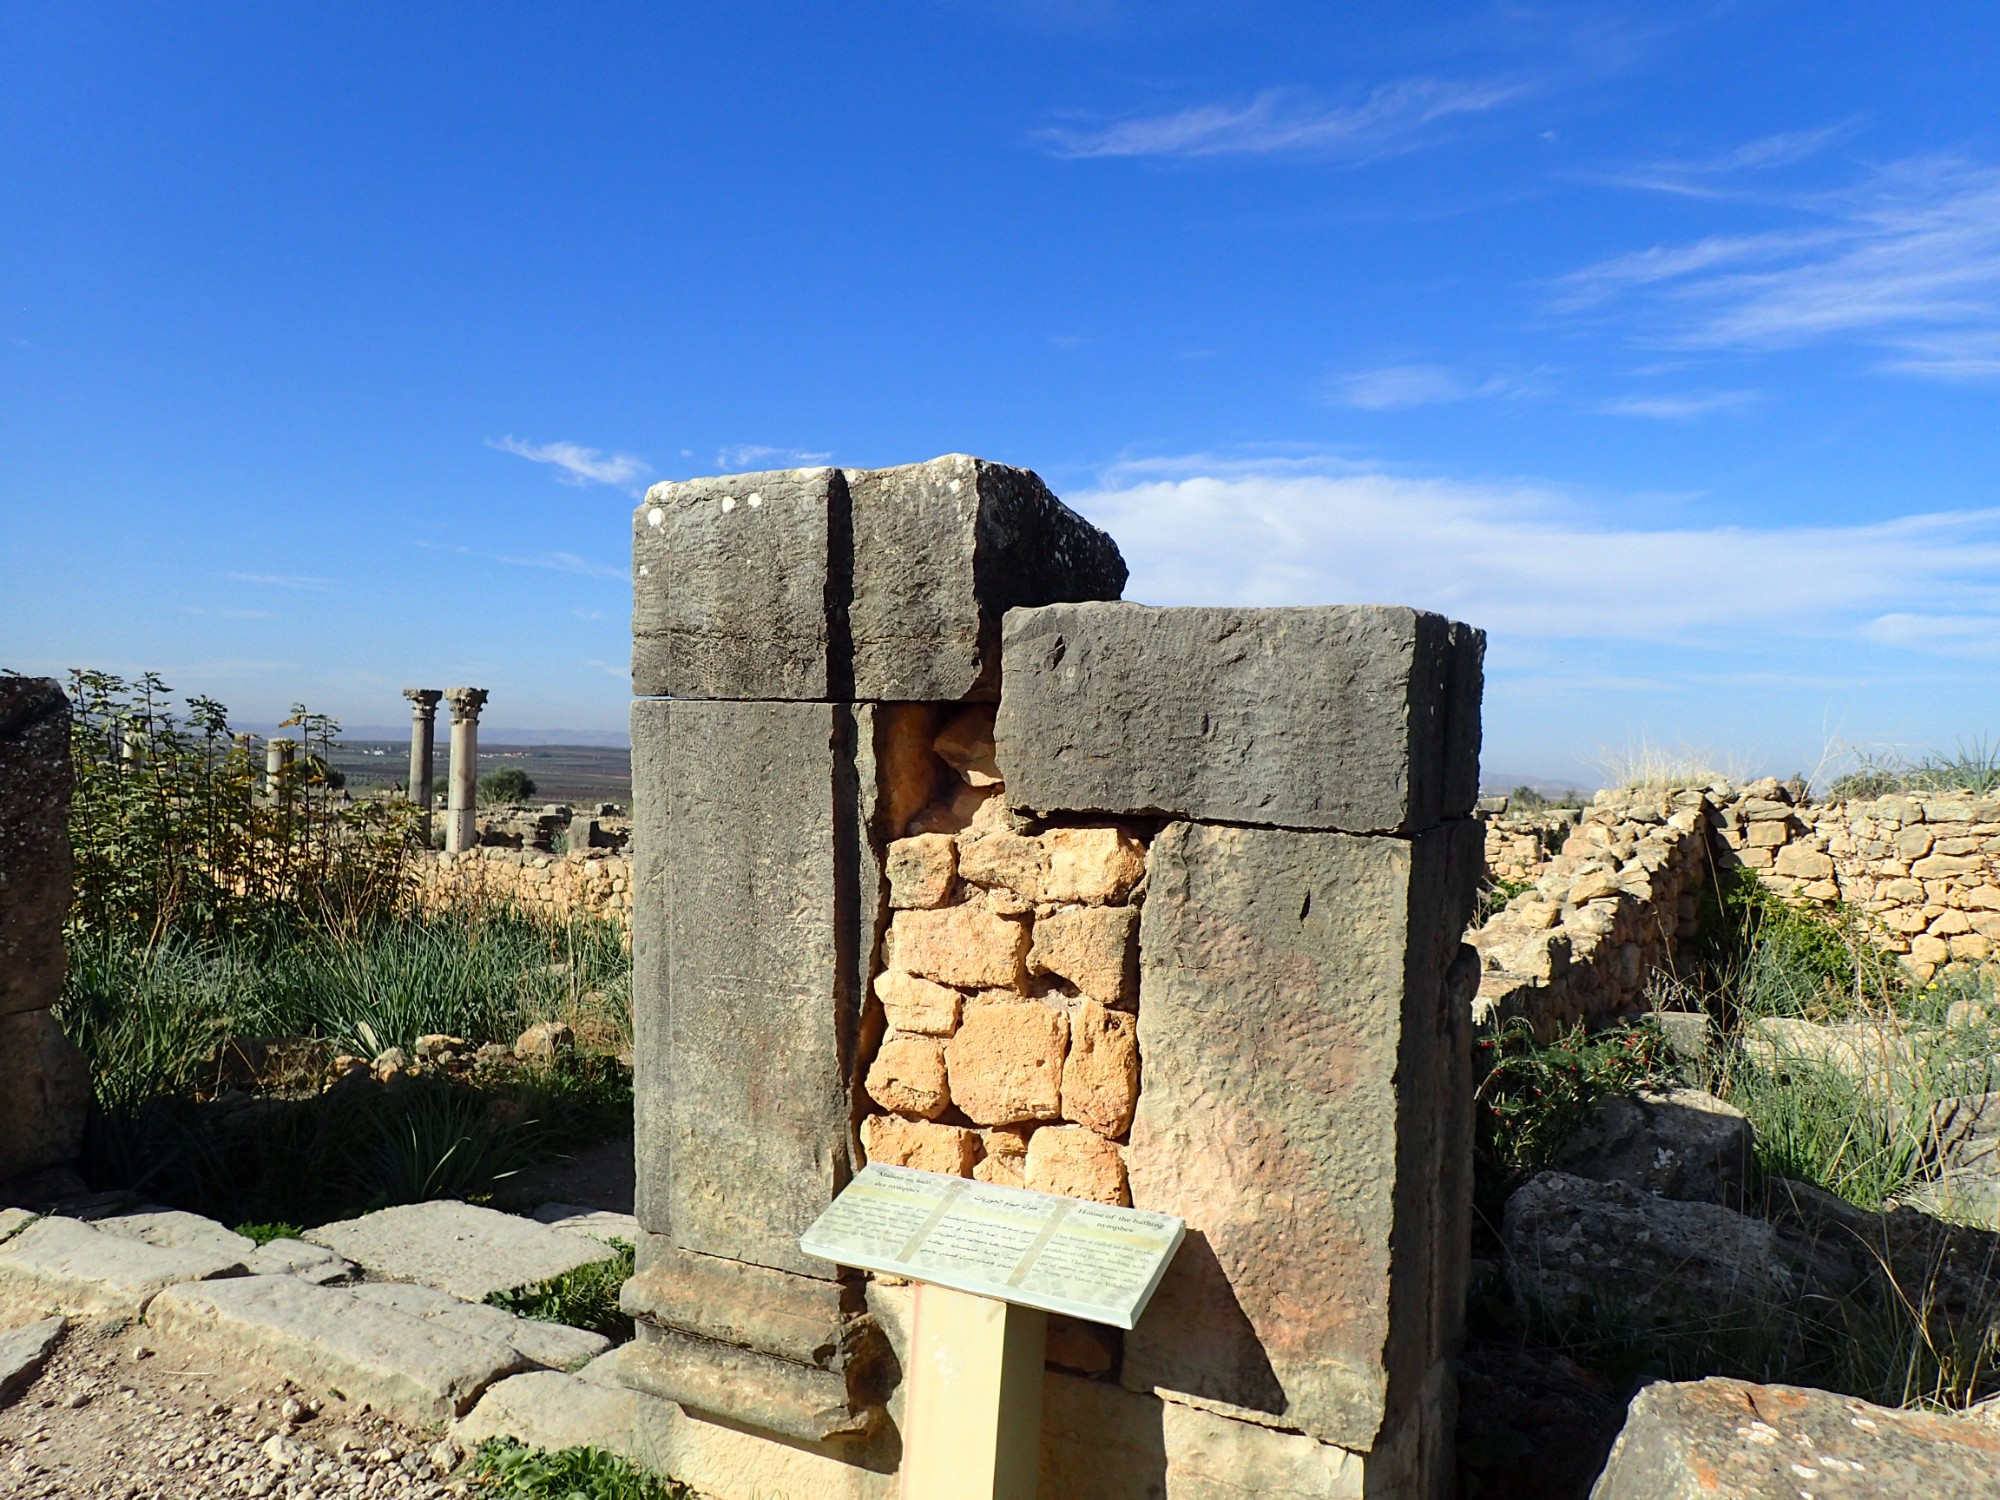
<point x="1064" y="1255"/>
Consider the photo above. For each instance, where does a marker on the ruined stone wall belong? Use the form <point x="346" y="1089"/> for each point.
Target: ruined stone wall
<point x="555" y="886"/>
<point x="1605" y="910"/>
<point x="937" y="861"/>
<point x="44" y="1084"/>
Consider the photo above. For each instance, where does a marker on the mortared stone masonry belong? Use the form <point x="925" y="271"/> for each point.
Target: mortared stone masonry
<point x="946" y="858"/>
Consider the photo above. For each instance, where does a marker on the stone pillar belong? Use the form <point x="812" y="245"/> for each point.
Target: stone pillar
<point x="44" y="1084"/>
<point x="461" y="828"/>
<point x="1305" y="1001"/>
<point x="278" y="758"/>
<point x="423" y="743"/>
<point x="776" y="617"/>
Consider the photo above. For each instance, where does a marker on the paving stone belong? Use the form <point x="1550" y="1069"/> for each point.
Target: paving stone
<point x="14" y="1220"/>
<point x="23" y="1352"/>
<point x="554" y="1346"/>
<point x="598" y="1223"/>
<point x="457" y="1247"/>
<point x="1333" y="717"/>
<point x="71" y="1267"/>
<point x="314" y="1263"/>
<point x="419" y="1369"/>
<point x="172" y="1229"/>
<point x="1720" y="1439"/>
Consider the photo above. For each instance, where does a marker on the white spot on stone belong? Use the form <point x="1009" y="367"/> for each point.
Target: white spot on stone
<point x="728" y="504"/>
<point x="644" y="570"/>
<point x="655" y="516"/>
<point x="755" y="501"/>
<point x="953" y="486"/>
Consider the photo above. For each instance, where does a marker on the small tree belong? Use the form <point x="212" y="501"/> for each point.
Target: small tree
<point x="508" y="784"/>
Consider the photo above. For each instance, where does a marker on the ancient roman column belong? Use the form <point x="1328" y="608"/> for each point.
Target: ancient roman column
<point x="461" y="829"/>
<point x="277" y="765"/>
<point x="423" y="740"/>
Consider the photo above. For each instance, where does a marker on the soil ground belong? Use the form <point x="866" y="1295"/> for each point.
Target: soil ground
<point x="599" y="1176"/>
<point x="120" y="1414"/>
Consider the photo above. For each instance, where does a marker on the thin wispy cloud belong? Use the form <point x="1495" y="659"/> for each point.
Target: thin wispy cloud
<point x="1530" y="564"/>
<point x="1737" y="172"/>
<point x="1681" y="407"/>
<point x="229" y="614"/>
<point x="1394" y="116"/>
<point x="743" y="456"/>
<point x="576" y="464"/>
<point x="552" y="562"/>
<point x="286" y="581"/>
<point x="1906" y="262"/>
<point x="1399" y="387"/>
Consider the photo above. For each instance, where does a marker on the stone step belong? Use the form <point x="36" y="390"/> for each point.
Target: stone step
<point x="62" y="1265"/>
<point x="598" y="1223"/>
<point x="314" y="1263"/>
<point x="460" y="1248"/>
<point x="554" y="1346"/>
<point x="419" y="1369"/>
<point x="173" y="1229"/>
<point x="23" y="1352"/>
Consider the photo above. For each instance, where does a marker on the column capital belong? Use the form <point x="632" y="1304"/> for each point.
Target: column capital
<point x="465" y="703"/>
<point x="423" y="701"/>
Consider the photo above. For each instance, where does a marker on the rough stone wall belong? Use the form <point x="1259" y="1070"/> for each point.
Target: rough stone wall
<point x="44" y="1085"/>
<point x="556" y="886"/>
<point x="1923" y="873"/>
<point x="1008" y="988"/>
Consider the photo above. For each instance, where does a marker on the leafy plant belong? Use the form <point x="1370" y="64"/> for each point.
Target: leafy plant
<point x="263" y="1234"/>
<point x="505" y="1467"/>
<point x="584" y="1298"/>
<point x="508" y="784"/>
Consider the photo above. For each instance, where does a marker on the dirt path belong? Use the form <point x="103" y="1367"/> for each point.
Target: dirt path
<point x="120" y="1414"/>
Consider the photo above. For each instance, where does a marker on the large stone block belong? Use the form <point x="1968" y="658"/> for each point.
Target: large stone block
<point x="753" y="893"/>
<point x="877" y="585"/>
<point x="1695" y="1439"/>
<point x="34" y="842"/>
<point x="942" y="551"/>
<point x="738" y="586"/>
<point x="44" y="1094"/>
<point x="1355" y="718"/>
<point x="1294" y="990"/>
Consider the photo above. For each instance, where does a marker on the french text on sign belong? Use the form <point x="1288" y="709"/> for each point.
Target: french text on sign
<point x="1088" y="1260"/>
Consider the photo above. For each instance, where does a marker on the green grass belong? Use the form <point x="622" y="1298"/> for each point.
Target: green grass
<point x="263" y="1234"/>
<point x="506" y="1468"/>
<point x="1973" y="770"/>
<point x="584" y="1298"/>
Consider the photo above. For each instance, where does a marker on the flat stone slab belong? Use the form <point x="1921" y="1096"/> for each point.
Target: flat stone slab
<point x="598" y="1223"/>
<point x="419" y="1369"/>
<point x="14" y="1220"/>
<point x="468" y="1251"/>
<point x="553" y="1346"/>
<point x="65" y="1266"/>
<point x="314" y="1263"/>
<point x="1720" y="1439"/>
<point x="23" y="1352"/>
<point x="172" y="1229"/>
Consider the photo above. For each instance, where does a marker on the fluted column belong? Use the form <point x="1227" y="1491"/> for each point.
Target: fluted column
<point x="423" y="740"/>
<point x="461" y="829"/>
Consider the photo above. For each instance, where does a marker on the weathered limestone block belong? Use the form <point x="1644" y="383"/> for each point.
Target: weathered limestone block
<point x="460" y="1248"/>
<point x="1702" y="1439"/>
<point x="1006" y="1063"/>
<point x="1092" y="864"/>
<point x="1094" y="948"/>
<point x="921" y="870"/>
<point x="732" y="581"/>
<point x="44" y="1093"/>
<point x="1334" y="717"/>
<point x="966" y="945"/>
<point x="755" y="903"/>
<point x="1678" y="1143"/>
<point x="917" y="1005"/>
<point x="65" y="1266"/>
<point x="34" y="844"/>
<point x="942" y="550"/>
<point x="1004" y="1156"/>
<point x="966" y="745"/>
<point x="896" y="1142"/>
<point x="1301" y="1027"/>
<point x="1077" y="1163"/>
<point x="908" y="1077"/>
<point x="23" y="1352"/>
<point x="1100" y="1084"/>
<point x="1001" y="858"/>
<point x="798" y="1318"/>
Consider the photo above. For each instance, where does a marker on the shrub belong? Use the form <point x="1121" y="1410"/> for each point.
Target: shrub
<point x="508" y="784"/>
<point x="504" y="1467"/>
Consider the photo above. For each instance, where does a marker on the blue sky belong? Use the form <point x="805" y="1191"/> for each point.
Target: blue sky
<point x="1664" y="342"/>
